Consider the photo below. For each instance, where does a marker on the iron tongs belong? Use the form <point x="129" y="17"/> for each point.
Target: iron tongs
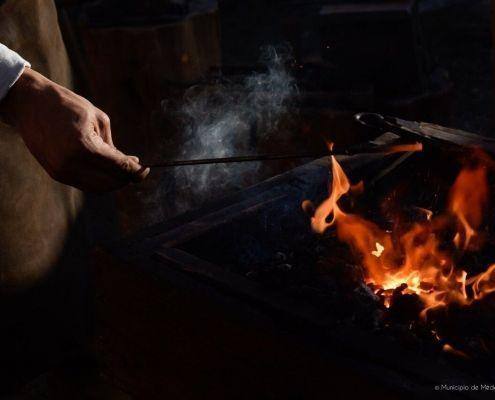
<point x="416" y="130"/>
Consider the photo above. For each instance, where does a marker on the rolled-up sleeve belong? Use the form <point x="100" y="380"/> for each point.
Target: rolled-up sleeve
<point x="11" y="67"/>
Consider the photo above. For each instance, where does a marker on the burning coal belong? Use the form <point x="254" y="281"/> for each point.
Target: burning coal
<point x="416" y="260"/>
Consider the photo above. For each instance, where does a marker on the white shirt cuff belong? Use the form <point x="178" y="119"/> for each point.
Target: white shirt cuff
<point x="11" y="68"/>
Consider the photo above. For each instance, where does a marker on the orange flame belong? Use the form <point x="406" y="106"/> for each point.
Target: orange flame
<point x="468" y="199"/>
<point x="415" y="258"/>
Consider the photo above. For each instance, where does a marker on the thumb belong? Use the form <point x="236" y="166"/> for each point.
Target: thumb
<point x="134" y="169"/>
<point x="120" y="165"/>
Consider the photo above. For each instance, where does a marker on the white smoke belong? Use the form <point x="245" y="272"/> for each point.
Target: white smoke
<point x="231" y="119"/>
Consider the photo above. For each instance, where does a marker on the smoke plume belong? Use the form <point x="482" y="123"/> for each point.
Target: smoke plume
<point x="231" y="119"/>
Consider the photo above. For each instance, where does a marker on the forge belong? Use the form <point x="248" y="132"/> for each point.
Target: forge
<point x="238" y="199"/>
<point x="247" y="282"/>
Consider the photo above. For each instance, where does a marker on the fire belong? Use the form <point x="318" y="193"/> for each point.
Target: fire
<point x="379" y="250"/>
<point x="417" y="259"/>
<point x="340" y="186"/>
<point x="468" y="199"/>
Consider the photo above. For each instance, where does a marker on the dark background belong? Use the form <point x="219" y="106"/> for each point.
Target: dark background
<point x="127" y="59"/>
<point x="138" y="59"/>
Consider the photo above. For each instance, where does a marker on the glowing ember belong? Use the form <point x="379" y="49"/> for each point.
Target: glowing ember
<point x="449" y="349"/>
<point x="379" y="250"/>
<point x="415" y="259"/>
<point x="400" y="148"/>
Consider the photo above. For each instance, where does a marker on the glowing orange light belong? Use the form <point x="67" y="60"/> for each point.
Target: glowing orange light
<point x="415" y="257"/>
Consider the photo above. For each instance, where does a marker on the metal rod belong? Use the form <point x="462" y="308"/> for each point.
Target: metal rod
<point x="238" y="159"/>
<point x="341" y="150"/>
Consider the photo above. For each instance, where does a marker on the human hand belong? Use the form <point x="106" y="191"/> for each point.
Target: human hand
<point x="68" y="135"/>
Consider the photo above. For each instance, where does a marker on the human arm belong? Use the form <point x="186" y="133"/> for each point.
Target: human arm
<point x="69" y="136"/>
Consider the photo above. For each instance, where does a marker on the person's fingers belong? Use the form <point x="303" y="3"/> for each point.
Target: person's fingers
<point x="105" y="128"/>
<point x="91" y="174"/>
<point x="120" y="165"/>
<point x="129" y="165"/>
<point x="99" y="167"/>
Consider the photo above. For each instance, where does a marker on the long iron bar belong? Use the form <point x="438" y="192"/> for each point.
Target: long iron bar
<point x="345" y="150"/>
<point x="237" y="159"/>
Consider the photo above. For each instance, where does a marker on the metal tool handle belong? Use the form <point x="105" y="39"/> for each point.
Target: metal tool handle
<point x="455" y="139"/>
